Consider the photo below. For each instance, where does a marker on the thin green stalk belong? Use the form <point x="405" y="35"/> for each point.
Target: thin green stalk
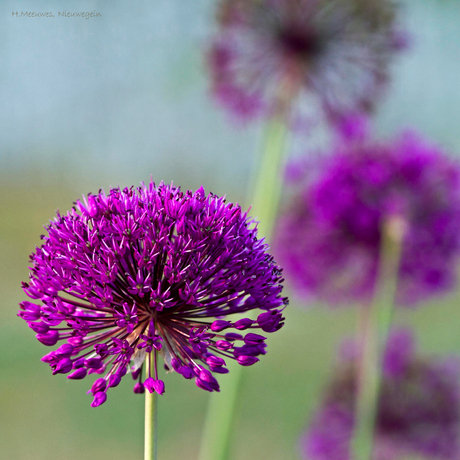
<point x="215" y="444"/>
<point x="376" y="322"/>
<point x="151" y="402"/>
<point x="267" y="190"/>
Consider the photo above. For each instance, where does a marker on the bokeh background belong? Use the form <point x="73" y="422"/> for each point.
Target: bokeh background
<point x="107" y="101"/>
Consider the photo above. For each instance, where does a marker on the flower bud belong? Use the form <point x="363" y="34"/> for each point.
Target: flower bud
<point x="220" y="325"/>
<point x="49" y="339"/>
<point x="64" y="351"/>
<point x="139" y="388"/>
<point x="253" y="339"/>
<point x="98" y="385"/>
<point x="247" y="360"/>
<point x="186" y="372"/>
<point x="40" y="328"/>
<point x="94" y="363"/>
<point x="243" y="324"/>
<point x="159" y="386"/>
<point x="223" y="345"/>
<point x="78" y="374"/>
<point x="114" y="380"/>
<point x="215" y="361"/>
<point x="99" y="398"/>
<point x="63" y="367"/>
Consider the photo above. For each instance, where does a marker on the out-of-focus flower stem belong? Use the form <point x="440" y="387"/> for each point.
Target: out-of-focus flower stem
<point x="151" y="401"/>
<point x="215" y="444"/>
<point x="217" y="430"/>
<point x="375" y="324"/>
<point x="267" y="191"/>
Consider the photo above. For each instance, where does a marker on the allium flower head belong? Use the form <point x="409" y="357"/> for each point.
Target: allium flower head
<point x="337" y="51"/>
<point x="418" y="413"/>
<point x="329" y="241"/>
<point x="155" y="271"/>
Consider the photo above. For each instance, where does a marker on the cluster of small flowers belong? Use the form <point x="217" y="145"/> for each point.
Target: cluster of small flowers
<point x="329" y="240"/>
<point x="334" y="52"/>
<point x="147" y="271"/>
<point x="418" y="410"/>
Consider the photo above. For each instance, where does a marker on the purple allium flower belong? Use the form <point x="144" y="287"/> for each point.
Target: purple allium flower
<point x="337" y="51"/>
<point x="418" y="413"/>
<point x="151" y="270"/>
<point x="329" y="241"/>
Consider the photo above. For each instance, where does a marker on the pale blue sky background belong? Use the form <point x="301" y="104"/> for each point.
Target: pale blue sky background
<point x="112" y="99"/>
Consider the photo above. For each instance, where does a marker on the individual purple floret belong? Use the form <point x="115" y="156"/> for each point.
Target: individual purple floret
<point x="150" y="271"/>
<point x="418" y="413"/>
<point x="329" y="240"/>
<point x="334" y="54"/>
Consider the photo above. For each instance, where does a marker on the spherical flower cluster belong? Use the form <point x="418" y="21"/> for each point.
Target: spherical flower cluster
<point x="329" y="241"/>
<point x="334" y="52"/>
<point x="418" y="412"/>
<point x="137" y="273"/>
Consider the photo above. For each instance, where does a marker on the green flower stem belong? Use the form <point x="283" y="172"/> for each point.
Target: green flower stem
<point x="215" y="444"/>
<point x="151" y="402"/>
<point x="268" y="184"/>
<point x="376" y="322"/>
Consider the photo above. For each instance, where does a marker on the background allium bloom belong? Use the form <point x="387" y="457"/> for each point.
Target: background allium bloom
<point x="149" y="270"/>
<point x="329" y="240"/>
<point x="339" y="51"/>
<point x="418" y="414"/>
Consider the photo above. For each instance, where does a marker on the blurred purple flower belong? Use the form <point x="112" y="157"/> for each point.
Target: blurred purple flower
<point x="329" y="240"/>
<point x="149" y="270"/>
<point x="418" y="414"/>
<point x="339" y="51"/>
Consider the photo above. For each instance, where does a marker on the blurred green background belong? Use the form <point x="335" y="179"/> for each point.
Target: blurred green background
<point x="111" y="100"/>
